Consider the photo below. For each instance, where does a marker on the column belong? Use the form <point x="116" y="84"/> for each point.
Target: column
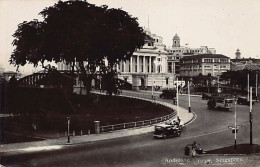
<point x="131" y="64"/>
<point x="137" y="57"/>
<point x="124" y="63"/>
<point x="173" y="65"/>
<point x="150" y="64"/>
<point x="144" y="67"/>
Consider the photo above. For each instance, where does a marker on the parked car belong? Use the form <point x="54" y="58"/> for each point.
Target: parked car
<point x="168" y="93"/>
<point x="167" y="130"/>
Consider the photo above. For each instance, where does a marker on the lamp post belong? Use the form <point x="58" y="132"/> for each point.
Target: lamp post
<point x="256" y="84"/>
<point x="177" y="98"/>
<point x="189" y="94"/>
<point x="248" y="87"/>
<point x="68" y="119"/>
<point x="251" y="117"/>
<point x="156" y="64"/>
<point x="235" y="146"/>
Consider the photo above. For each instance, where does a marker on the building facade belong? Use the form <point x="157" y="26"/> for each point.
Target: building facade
<point x="148" y="65"/>
<point x="214" y="64"/>
<point x="177" y="52"/>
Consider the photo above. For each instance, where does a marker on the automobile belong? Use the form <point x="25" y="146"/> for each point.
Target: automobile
<point x="168" y="93"/>
<point x="243" y="100"/>
<point x="220" y="103"/>
<point x="167" y="130"/>
<point x="205" y="96"/>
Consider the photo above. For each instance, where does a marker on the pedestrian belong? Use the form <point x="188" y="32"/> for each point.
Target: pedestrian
<point x="193" y="149"/>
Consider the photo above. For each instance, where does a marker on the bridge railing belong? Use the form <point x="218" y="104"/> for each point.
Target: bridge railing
<point x="129" y="125"/>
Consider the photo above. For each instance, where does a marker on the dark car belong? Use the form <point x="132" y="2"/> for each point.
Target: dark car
<point x="168" y="93"/>
<point x="206" y="96"/>
<point x="167" y="130"/>
<point x="243" y="100"/>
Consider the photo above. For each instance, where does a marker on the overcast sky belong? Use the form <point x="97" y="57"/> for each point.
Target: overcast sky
<point x="225" y="25"/>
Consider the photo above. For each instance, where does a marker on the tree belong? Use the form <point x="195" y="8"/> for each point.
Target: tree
<point x="77" y="32"/>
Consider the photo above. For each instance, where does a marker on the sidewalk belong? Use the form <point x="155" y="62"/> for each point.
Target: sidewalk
<point x="51" y="144"/>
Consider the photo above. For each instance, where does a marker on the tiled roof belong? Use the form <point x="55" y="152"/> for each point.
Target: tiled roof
<point x="204" y="56"/>
<point x="246" y="66"/>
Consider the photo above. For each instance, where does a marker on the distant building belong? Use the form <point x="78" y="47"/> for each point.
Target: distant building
<point x="2" y="69"/>
<point x="215" y="64"/>
<point x="240" y="63"/>
<point x="177" y="52"/>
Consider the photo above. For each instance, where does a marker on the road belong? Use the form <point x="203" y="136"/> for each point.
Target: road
<point x="210" y="129"/>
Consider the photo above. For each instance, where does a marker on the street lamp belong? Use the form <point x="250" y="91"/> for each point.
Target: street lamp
<point x="235" y="147"/>
<point x="156" y="64"/>
<point x="177" y="98"/>
<point x="68" y="119"/>
<point x="251" y="117"/>
<point x="189" y="94"/>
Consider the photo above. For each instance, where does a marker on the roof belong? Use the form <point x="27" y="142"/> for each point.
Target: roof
<point x="176" y="36"/>
<point x="246" y="66"/>
<point x="148" y="38"/>
<point x="204" y="56"/>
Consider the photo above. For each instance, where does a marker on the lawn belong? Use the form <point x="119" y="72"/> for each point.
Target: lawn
<point x="49" y="109"/>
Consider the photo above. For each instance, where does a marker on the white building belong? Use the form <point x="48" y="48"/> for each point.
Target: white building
<point x="147" y="66"/>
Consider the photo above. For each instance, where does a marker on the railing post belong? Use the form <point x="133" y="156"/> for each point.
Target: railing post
<point x="124" y="125"/>
<point x="112" y="127"/>
<point x="143" y="123"/>
<point x="135" y="124"/>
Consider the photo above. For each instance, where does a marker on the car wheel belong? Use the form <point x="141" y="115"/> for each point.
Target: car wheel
<point x="164" y="136"/>
<point x="179" y="134"/>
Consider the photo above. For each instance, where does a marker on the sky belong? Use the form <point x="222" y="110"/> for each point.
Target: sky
<point x="226" y="25"/>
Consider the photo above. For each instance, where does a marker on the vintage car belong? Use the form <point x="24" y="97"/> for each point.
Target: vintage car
<point x="243" y="100"/>
<point x="169" y="129"/>
<point x="168" y="93"/>
<point x="205" y="96"/>
<point x="220" y="103"/>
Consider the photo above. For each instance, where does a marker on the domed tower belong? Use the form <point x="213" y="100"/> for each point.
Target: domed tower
<point x="176" y="41"/>
<point x="238" y="54"/>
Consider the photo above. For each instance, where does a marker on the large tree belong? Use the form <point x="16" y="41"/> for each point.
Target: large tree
<point x="80" y="34"/>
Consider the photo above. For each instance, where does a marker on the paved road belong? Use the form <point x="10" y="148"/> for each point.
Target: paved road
<point x="209" y="129"/>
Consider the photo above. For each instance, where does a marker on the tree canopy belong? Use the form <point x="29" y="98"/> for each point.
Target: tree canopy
<point x="78" y="32"/>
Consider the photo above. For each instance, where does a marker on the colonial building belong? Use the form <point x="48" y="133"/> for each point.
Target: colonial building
<point x="215" y="64"/>
<point x="176" y="52"/>
<point x="148" y="66"/>
<point x="242" y="63"/>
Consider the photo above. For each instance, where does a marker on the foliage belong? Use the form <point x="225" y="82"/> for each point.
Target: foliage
<point x="239" y="78"/>
<point x="77" y="32"/>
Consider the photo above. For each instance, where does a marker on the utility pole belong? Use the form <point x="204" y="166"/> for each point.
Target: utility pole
<point x="256" y="85"/>
<point x="189" y="94"/>
<point x="68" y="119"/>
<point x="235" y="146"/>
<point x="248" y="86"/>
<point x="251" y="117"/>
<point x="177" y="98"/>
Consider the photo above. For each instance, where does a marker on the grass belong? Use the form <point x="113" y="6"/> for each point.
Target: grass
<point x="49" y="108"/>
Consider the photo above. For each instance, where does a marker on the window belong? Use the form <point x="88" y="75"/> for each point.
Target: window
<point x="208" y="60"/>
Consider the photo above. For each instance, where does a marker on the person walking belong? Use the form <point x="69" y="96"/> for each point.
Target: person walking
<point x="193" y="149"/>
